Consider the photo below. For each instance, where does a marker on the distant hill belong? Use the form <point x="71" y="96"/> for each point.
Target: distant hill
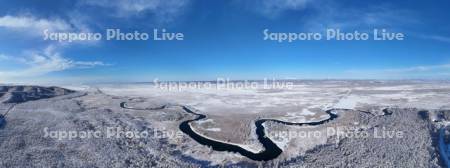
<point x="20" y="94"/>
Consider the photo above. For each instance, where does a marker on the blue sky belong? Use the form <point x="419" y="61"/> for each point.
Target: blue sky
<point x="222" y="39"/>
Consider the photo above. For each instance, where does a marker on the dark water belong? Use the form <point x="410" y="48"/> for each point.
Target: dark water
<point x="2" y="121"/>
<point x="271" y="150"/>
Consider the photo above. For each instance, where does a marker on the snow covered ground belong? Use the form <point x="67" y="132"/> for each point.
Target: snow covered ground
<point x="306" y="101"/>
<point x="298" y="100"/>
<point x="230" y="118"/>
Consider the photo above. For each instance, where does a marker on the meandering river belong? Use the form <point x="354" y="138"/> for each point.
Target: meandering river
<point x="271" y="150"/>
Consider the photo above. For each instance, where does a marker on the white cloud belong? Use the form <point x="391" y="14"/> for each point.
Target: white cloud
<point x="334" y="15"/>
<point x="33" y="25"/>
<point x="318" y="15"/>
<point x="435" y="37"/>
<point x="42" y="63"/>
<point x="38" y="62"/>
<point x="162" y="9"/>
<point x="273" y="8"/>
<point x="3" y="57"/>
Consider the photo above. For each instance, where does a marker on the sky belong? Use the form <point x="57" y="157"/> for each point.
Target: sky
<point x="222" y="39"/>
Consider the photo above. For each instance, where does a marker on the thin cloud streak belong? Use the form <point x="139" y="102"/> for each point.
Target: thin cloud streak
<point x="163" y="10"/>
<point x="441" y="71"/>
<point x="32" y="25"/>
<point x="44" y="62"/>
